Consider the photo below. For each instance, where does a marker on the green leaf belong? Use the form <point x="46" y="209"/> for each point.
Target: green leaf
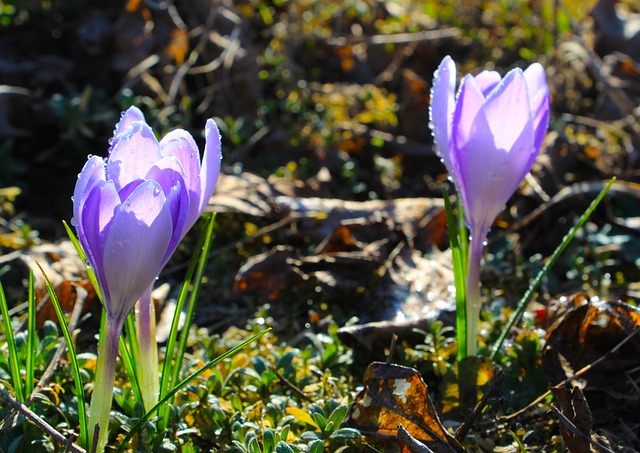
<point x="268" y="441"/>
<point x="283" y="447"/>
<point x="31" y="337"/>
<point x="346" y="433"/>
<point x="338" y="415"/>
<point x="316" y="447"/>
<point x="184" y="383"/>
<point x="16" y="378"/>
<point x="457" y="230"/>
<point x="320" y="420"/>
<point x="82" y="413"/>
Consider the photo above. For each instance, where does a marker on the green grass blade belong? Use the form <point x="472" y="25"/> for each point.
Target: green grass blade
<point x="171" y="366"/>
<point x="169" y="363"/>
<point x="183" y="384"/>
<point x="196" y="282"/>
<point x="31" y="337"/>
<point x="83" y="257"/>
<point x="463" y="234"/>
<point x="130" y="355"/>
<point x="546" y="268"/>
<point x="459" y="271"/>
<point x="16" y="378"/>
<point x="129" y="361"/>
<point x="82" y="412"/>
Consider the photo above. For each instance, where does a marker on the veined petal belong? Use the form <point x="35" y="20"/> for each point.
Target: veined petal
<point x="539" y="98"/>
<point x="132" y="114"/>
<point x="441" y="108"/>
<point x="133" y="154"/>
<point x="540" y="110"/>
<point x="210" y="164"/>
<point x="95" y="216"/>
<point x="180" y="144"/>
<point x="92" y="172"/>
<point x="491" y="172"/>
<point x="168" y="174"/>
<point x="135" y="246"/>
<point x="536" y="80"/>
<point x="487" y="81"/>
<point x="470" y="101"/>
<point x="178" y="202"/>
<point x="507" y="110"/>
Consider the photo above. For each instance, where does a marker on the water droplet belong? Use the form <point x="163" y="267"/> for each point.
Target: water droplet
<point x="110" y="141"/>
<point x="156" y="191"/>
<point x="132" y="151"/>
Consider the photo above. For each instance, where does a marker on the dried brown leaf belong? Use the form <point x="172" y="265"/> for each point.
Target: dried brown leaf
<point x="394" y="395"/>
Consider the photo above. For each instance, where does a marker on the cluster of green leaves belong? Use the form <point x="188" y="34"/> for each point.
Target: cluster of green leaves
<point x="270" y="397"/>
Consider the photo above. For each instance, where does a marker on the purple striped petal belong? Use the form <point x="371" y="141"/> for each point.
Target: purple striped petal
<point x="95" y="218"/>
<point x="135" y="246"/>
<point x="133" y="155"/>
<point x="210" y="163"/>
<point x="442" y="108"/>
<point x="180" y="144"/>
<point x="132" y="114"/>
<point x="92" y="172"/>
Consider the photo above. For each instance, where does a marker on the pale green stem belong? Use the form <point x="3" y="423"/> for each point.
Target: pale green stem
<point x="104" y="379"/>
<point x="147" y="366"/>
<point x="472" y="287"/>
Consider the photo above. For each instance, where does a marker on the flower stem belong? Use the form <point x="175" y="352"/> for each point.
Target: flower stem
<point x="103" y="387"/>
<point x="472" y="287"/>
<point x="147" y="368"/>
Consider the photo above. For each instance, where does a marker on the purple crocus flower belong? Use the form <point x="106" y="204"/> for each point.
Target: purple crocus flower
<point x="488" y="135"/>
<point x="132" y="210"/>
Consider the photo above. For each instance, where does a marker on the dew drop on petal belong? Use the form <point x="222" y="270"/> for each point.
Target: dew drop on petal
<point x="156" y="191"/>
<point x="132" y="151"/>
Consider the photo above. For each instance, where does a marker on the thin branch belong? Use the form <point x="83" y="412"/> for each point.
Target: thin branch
<point x="40" y="423"/>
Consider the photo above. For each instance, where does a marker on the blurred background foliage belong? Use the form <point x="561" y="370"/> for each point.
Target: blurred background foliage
<point x="296" y="85"/>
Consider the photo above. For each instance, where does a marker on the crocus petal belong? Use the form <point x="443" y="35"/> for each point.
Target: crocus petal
<point x="507" y="109"/>
<point x="536" y="80"/>
<point x="92" y="172"/>
<point x="135" y="246"/>
<point x="492" y="172"/>
<point x="468" y="105"/>
<point x="539" y="98"/>
<point x="132" y="114"/>
<point x="180" y="144"/>
<point x="133" y="155"/>
<point x="487" y="81"/>
<point x="442" y="108"/>
<point x="168" y="174"/>
<point x="210" y="163"/>
<point x="470" y="101"/>
<point x="94" y="219"/>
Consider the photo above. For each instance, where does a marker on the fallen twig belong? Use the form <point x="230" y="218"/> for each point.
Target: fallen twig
<point x="40" y="423"/>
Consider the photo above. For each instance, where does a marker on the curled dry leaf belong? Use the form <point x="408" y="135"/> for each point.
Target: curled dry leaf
<point x="394" y="395"/>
